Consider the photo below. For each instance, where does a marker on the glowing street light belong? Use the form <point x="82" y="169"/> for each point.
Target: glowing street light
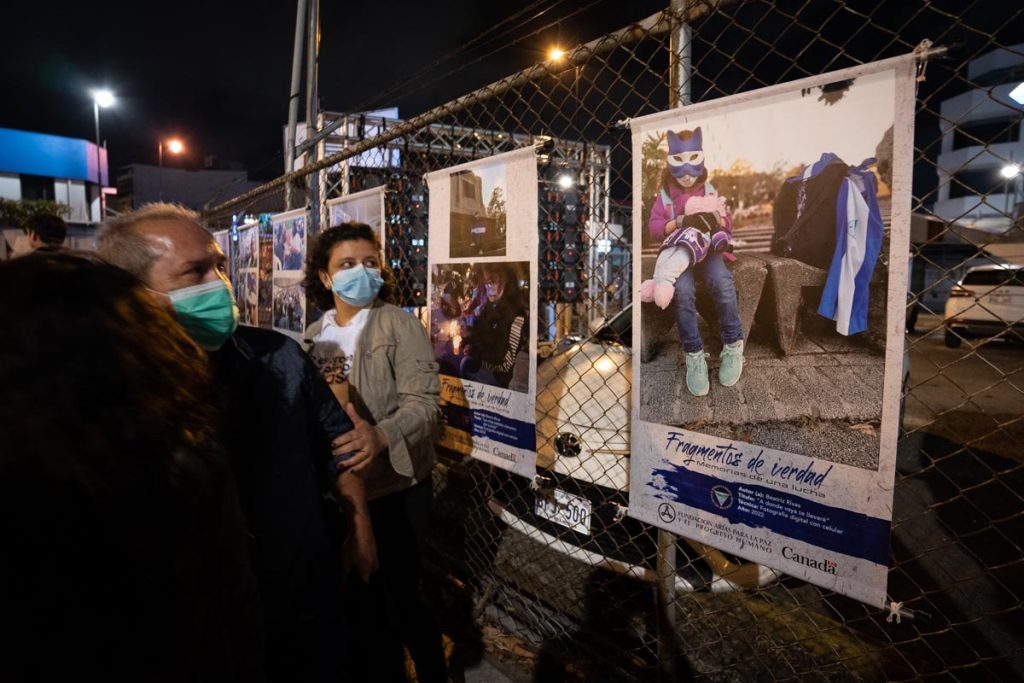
<point x="100" y="98"/>
<point x="1010" y="171"/>
<point x="556" y="54"/>
<point x="175" y="146"/>
<point x="565" y="181"/>
<point x="103" y="98"/>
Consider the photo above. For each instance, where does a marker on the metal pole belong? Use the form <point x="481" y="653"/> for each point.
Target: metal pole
<point x="293" y="97"/>
<point x="678" y="94"/>
<point x="681" y="46"/>
<point x="99" y="159"/>
<point x="312" y="73"/>
<point x="160" y="155"/>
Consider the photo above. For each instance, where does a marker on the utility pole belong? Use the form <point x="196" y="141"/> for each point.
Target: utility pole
<point x="312" y="119"/>
<point x="678" y="94"/>
<point x="293" y="97"/>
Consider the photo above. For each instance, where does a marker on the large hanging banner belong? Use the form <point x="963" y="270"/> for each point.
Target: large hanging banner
<point x="289" y="297"/>
<point x="768" y="333"/>
<point x="366" y="206"/>
<point x="483" y="266"/>
<point x="247" y="277"/>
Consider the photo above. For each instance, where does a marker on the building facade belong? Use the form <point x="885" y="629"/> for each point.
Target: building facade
<point x="139" y="184"/>
<point x="70" y="171"/>
<point x="981" y="135"/>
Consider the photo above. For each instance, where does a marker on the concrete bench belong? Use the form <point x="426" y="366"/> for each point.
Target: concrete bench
<point x="777" y="293"/>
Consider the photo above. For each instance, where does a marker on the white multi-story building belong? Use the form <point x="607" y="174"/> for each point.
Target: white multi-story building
<point x="982" y="145"/>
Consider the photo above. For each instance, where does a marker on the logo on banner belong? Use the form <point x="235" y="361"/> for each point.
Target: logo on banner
<point x="666" y="513"/>
<point x="721" y="496"/>
<point x="823" y="565"/>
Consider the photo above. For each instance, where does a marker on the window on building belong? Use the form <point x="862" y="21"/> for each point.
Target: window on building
<point x="37" y="187"/>
<point x="976" y="182"/>
<point x="990" y="132"/>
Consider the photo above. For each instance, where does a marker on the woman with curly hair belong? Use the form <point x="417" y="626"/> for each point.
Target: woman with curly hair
<point x="124" y="549"/>
<point x="381" y="366"/>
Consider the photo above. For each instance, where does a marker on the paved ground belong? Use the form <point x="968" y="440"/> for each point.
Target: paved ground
<point x="972" y="395"/>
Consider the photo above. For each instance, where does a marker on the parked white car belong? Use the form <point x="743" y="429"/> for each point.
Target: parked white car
<point x="987" y="302"/>
<point x="578" y="503"/>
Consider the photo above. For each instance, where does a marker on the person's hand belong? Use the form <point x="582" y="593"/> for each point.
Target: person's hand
<point x="365" y="439"/>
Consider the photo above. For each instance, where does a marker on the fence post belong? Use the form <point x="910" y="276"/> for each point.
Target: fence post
<point x="679" y="93"/>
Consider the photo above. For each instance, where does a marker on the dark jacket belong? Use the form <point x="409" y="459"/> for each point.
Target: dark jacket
<point x="280" y="417"/>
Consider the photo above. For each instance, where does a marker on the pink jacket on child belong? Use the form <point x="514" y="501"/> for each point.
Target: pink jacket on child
<point x="662" y="214"/>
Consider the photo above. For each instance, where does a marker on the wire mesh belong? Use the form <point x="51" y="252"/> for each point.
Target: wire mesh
<point x="584" y="605"/>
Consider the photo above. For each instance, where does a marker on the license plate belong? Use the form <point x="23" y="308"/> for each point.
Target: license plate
<point x="572" y="512"/>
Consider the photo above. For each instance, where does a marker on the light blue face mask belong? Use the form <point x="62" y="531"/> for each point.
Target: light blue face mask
<point x="357" y="286"/>
<point x="208" y="312"/>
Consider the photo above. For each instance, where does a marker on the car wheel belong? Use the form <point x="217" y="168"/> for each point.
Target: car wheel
<point x="952" y="340"/>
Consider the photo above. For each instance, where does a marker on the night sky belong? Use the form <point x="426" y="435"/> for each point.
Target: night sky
<point x="217" y="73"/>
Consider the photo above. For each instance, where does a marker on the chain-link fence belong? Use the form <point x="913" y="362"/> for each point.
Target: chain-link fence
<point x="582" y="606"/>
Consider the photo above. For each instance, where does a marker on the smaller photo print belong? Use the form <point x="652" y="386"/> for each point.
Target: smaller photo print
<point x="247" y="250"/>
<point x="478" y="216"/>
<point x="368" y="210"/>
<point x="223" y="238"/>
<point x="289" y="304"/>
<point x="265" y="281"/>
<point x="480" y="322"/>
<point x="247" y="295"/>
<point x="289" y="243"/>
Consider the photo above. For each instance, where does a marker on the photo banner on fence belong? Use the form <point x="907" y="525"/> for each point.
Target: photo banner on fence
<point x="247" y="274"/>
<point x="769" y="324"/>
<point x="481" y="297"/>
<point x="366" y="206"/>
<point x="223" y="240"/>
<point x="288" y="310"/>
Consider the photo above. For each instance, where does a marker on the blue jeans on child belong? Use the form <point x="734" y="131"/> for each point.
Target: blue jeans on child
<point x="719" y="282"/>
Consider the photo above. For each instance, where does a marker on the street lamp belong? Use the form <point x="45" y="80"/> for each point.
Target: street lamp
<point x="1010" y="171"/>
<point x="175" y="146"/>
<point x="556" y="54"/>
<point x="100" y="98"/>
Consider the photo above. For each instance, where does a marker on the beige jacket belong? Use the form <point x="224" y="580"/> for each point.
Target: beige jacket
<point x="393" y="383"/>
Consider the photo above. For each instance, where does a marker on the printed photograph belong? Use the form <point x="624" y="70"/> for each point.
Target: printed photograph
<point x="478" y="216"/>
<point x="223" y="239"/>
<point x="480" y="322"/>
<point x="247" y="295"/>
<point x="289" y="243"/>
<point x="363" y="210"/>
<point x="764" y="278"/>
<point x="265" y="281"/>
<point x="289" y="303"/>
<point x="247" y="250"/>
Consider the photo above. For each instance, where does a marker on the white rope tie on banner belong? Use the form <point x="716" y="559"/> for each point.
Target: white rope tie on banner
<point x="894" y="612"/>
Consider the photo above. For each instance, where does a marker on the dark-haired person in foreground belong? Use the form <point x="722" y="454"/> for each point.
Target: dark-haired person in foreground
<point x="123" y="548"/>
<point x="280" y="418"/>
<point x="381" y="367"/>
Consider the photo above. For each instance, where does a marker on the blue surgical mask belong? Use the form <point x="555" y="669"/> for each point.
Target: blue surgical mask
<point x="357" y="286"/>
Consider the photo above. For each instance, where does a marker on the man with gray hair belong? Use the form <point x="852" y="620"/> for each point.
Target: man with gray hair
<point x="280" y="418"/>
